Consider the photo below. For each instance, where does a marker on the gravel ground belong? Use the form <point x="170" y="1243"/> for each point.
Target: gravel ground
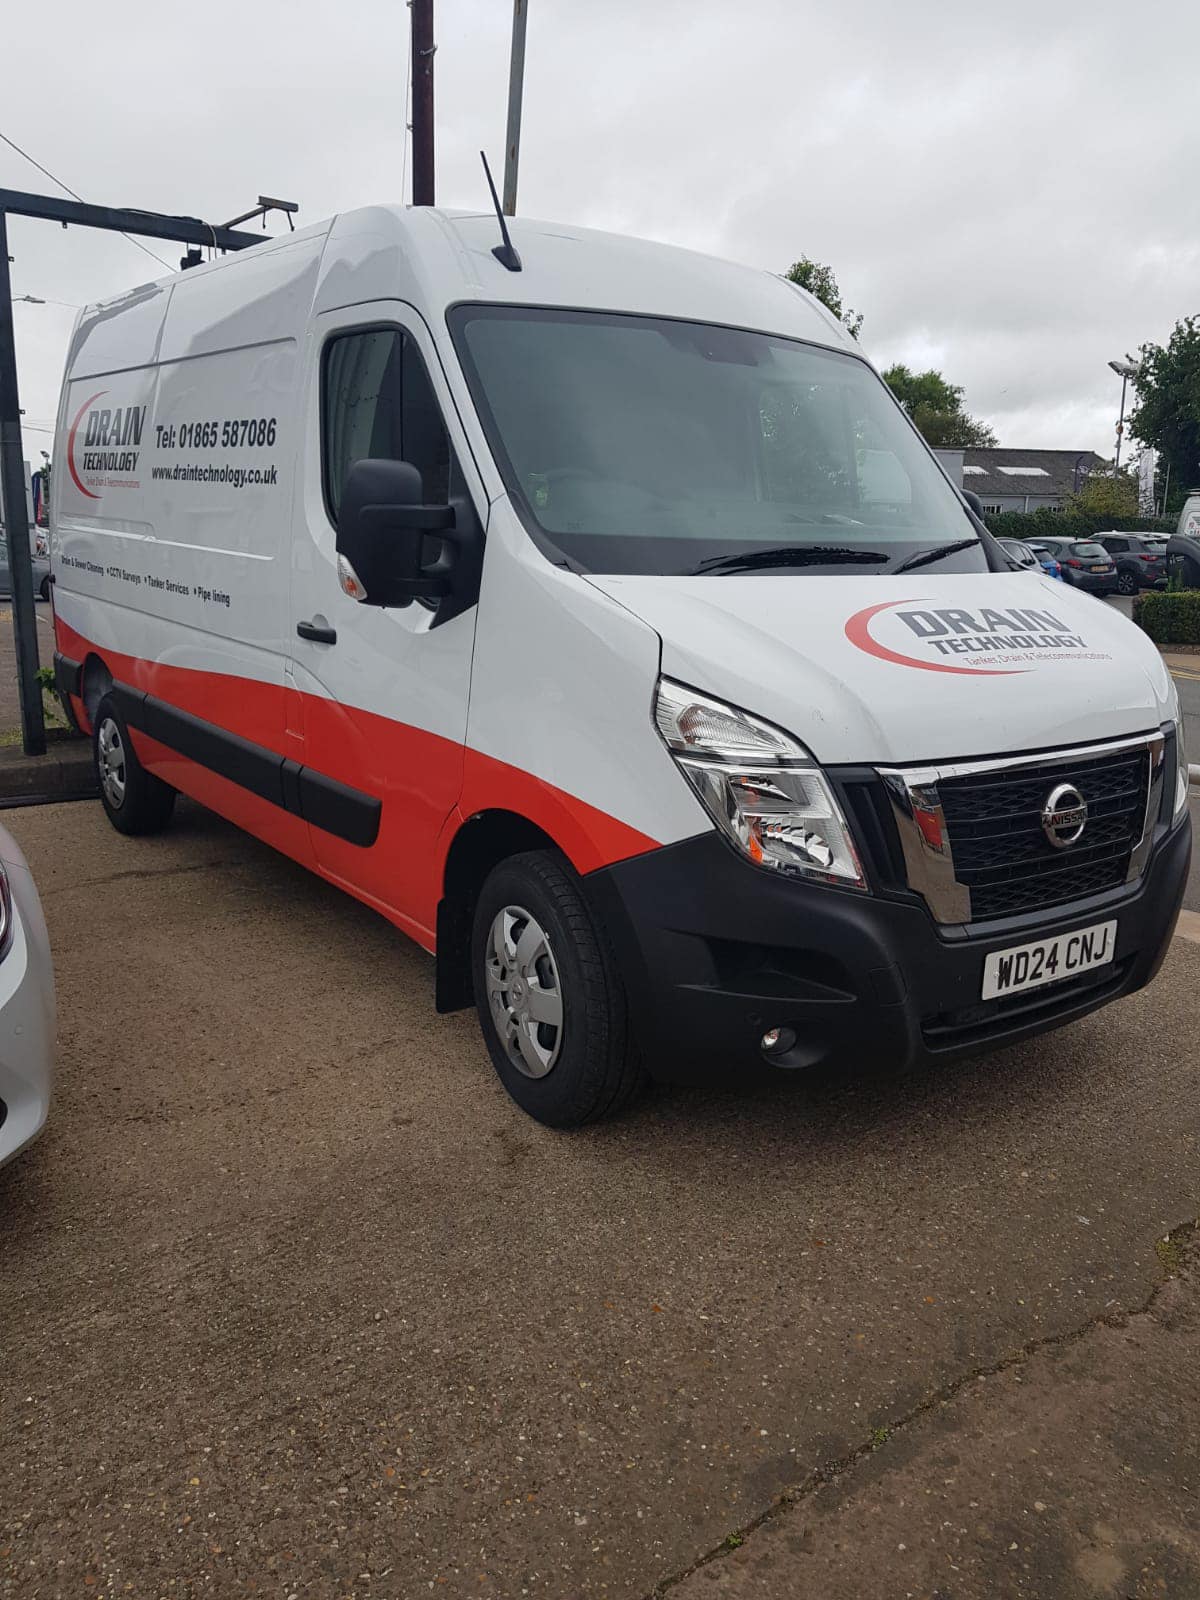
<point x="296" y="1302"/>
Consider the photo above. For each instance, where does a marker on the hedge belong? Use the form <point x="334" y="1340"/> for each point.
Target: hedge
<point x="1169" y="617"/>
<point x="1070" y="524"/>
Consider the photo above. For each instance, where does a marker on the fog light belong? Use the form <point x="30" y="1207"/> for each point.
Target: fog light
<point x="777" y="1040"/>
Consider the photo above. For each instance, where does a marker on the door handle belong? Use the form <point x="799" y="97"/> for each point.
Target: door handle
<point x="318" y="635"/>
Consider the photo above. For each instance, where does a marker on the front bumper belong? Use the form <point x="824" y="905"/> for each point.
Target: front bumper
<point x="27" y="1018"/>
<point x="714" y="951"/>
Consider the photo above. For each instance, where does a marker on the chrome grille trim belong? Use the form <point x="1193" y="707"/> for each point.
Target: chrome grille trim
<point x="916" y="803"/>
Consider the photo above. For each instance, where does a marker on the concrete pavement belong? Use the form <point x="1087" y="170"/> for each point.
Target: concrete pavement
<point x="296" y="1303"/>
<point x="1066" y="1471"/>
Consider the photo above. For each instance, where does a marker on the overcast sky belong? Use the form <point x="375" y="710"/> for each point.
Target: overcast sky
<point x="1008" y="192"/>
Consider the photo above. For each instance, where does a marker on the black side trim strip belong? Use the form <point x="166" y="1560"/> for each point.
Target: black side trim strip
<point x="129" y="703"/>
<point x="250" y="765"/>
<point x="322" y="801"/>
<point x="68" y="675"/>
<point x="331" y="805"/>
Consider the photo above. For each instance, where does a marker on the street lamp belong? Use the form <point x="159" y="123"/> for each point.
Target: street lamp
<point x="1124" y="370"/>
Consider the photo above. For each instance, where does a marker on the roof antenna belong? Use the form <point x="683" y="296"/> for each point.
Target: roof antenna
<point x="504" y="253"/>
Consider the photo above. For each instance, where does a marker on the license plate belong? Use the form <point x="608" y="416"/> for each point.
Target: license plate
<point x="1028" y="966"/>
<point x="1100" y="567"/>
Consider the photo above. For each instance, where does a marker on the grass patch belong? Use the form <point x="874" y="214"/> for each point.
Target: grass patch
<point x="1170" y="1253"/>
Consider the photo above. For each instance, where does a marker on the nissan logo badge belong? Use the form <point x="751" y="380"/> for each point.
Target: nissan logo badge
<point x="1064" y="815"/>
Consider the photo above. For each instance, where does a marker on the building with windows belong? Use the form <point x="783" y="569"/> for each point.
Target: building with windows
<point x="1021" y="480"/>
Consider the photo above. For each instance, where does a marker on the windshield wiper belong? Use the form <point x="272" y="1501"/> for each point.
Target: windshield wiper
<point x="788" y="555"/>
<point x="936" y="554"/>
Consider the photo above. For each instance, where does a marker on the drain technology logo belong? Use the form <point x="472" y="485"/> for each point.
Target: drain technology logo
<point x="111" y="448"/>
<point x="985" y="642"/>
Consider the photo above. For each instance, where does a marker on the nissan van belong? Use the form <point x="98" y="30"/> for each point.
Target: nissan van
<point x="591" y="610"/>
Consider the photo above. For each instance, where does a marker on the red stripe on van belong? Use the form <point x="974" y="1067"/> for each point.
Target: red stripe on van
<point x="426" y="782"/>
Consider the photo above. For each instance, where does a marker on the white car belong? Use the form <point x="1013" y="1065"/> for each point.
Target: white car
<point x="26" y="1004"/>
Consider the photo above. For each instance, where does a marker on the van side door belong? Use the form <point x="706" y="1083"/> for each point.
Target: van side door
<point x="380" y="696"/>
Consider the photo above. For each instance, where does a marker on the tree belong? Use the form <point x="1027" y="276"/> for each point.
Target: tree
<point x="1103" y="496"/>
<point x="1167" y="413"/>
<point x="820" y="281"/>
<point x="936" y="409"/>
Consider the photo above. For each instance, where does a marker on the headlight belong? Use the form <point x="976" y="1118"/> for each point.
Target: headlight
<point x="1181" y="765"/>
<point x="762" y="789"/>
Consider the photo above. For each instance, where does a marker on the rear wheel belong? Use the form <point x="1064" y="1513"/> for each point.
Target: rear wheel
<point x="135" y="801"/>
<point x="44" y="591"/>
<point x="550" y="1000"/>
<point x="1126" y="582"/>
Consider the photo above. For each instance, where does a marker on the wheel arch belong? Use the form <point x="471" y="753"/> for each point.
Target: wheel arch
<point x="482" y="841"/>
<point x="95" y="680"/>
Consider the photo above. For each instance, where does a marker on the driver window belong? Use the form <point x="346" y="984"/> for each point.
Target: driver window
<point x="377" y="403"/>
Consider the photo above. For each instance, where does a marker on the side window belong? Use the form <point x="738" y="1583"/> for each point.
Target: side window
<point x="377" y="402"/>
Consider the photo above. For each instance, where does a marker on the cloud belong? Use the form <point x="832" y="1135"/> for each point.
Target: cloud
<point x="1007" y="194"/>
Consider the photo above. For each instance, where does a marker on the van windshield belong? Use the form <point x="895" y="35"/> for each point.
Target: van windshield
<point x="640" y="444"/>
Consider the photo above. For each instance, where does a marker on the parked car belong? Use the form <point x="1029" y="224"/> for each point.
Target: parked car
<point x="1085" y="564"/>
<point x="26" y="1004"/>
<point x="1020" y="553"/>
<point x="1028" y="555"/>
<point x="591" y="684"/>
<point x="1050" y="562"/>
<point x="1141" y="561"/>
<point x="41" y="564"/>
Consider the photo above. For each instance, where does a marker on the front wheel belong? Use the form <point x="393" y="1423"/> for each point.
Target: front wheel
<point x="134" y="800"/>
<point x="549" y="997"/>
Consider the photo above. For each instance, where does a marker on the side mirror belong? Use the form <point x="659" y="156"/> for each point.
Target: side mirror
<point x="387" y="538"/>
<point x="975" y="503"/>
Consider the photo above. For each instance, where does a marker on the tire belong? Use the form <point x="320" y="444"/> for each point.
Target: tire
<point x="44" y="591"/>
<point x="134" y="801"/>
<point x="586" y="1066"/>
<point x="1126" y="582"/>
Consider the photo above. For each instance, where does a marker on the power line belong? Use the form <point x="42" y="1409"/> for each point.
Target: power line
<point x="12" y="144"/>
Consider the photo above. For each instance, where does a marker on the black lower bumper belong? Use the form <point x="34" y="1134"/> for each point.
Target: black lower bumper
<point x="714" y="951"/>
<point x="1091" y="585"/>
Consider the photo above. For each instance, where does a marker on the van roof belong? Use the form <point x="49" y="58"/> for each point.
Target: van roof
<point x="435" y="258"/>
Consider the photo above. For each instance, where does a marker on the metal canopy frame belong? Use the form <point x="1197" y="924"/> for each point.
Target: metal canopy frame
<point x="70" y="213"/>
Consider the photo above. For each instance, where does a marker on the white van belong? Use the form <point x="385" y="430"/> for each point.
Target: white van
<point x="600" y="619"/>
<point x="1183" y="547"/>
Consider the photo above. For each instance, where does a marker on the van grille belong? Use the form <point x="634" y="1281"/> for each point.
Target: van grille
<point x="1001" y="854"/>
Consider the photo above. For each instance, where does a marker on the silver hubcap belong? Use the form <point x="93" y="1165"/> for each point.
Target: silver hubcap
<point x="523" y="991"/>
<point x="111" y="748"/>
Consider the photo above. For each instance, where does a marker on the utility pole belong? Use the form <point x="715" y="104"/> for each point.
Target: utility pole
<point x="516" y="89"/>
<point x="16" y="519"/>
<point x="423" y="48"/>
